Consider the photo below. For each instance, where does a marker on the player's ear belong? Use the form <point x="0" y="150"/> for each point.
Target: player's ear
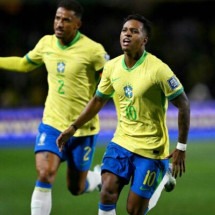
<point x="145" y="41"/>
<point x="79" y="23"/>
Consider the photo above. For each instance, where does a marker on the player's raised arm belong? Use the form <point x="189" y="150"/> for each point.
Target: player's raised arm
<point x="93" y="107"/>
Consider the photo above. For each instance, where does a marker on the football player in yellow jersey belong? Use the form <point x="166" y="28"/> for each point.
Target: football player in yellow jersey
<point x="73" y="62"/>
<point x="139" y="150"/>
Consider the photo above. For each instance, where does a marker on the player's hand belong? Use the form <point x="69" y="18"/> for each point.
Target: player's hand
<point x="64" y="137"/>
<point x="178" y="162"/>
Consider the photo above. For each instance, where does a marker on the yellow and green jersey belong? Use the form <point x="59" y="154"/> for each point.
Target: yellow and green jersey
<point x="72" y="78"/>
<point x="142" y="93"/>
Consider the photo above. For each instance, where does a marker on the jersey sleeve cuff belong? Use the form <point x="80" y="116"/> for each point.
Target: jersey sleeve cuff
<point x="99" y="94"/>
<point x="176" y="94"/>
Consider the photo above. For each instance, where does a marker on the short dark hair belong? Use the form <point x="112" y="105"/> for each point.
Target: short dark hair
<point x="138" y="17"/>
<point x="72" y="5"/>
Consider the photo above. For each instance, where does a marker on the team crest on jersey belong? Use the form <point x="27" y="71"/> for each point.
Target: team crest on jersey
<point x="173" y="83"/>
<point x="128" y="91"/>
<point x="60" y="67"/>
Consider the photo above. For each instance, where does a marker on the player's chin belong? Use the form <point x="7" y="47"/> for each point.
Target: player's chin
<point x="125" y="49"/>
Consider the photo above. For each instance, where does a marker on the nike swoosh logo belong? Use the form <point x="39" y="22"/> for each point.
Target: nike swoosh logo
<point x="115" y="79"/>
<point x="49" y="53"/>
<point x="143" y="188"/>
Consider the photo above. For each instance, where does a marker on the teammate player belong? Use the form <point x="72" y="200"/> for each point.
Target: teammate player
<point x="167" y="183"/>
<point x="73" y="62"/>
<point x="139" y="150"/>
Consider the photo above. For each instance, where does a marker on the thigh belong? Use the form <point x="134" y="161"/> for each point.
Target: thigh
<point x="46" y="140"/>
<point x="147" y="175"/>
<point x="112" y="186"/>
<point x="137" y="204"/>
<point x="117" y="160"/>
<point x="47" y="154"/>
<point x="80" y="152"/>
<point x="47" y="164"/>
<point x="116" y="172"/>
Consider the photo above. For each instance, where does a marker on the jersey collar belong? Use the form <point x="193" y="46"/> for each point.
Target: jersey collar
<point x="142" y="58"/>
<point x="76" y="38"/>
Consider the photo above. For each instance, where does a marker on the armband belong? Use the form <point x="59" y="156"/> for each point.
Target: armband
<point x="181" y="146"/>
<point x="75" y="127"/>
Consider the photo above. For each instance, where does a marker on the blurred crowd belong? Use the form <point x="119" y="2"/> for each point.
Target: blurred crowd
<point x="183" y="36"/>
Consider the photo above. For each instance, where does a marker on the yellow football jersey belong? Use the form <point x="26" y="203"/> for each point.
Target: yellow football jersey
<point x="72" y="79"/>
<point x="142" y="99"/>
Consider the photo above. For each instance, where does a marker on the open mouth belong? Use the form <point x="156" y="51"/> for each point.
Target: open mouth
<point x="58" y="31"/>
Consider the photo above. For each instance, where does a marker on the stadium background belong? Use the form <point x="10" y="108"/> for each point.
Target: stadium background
<point x="183" y="36"/>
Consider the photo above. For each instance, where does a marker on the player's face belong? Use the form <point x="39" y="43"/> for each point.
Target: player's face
<point x="133" y="37"/>
<point x="66" y="25"/>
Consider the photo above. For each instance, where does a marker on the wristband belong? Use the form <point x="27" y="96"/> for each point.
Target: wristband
<point x="75" y="127"/>
<point x="181" y="146"/>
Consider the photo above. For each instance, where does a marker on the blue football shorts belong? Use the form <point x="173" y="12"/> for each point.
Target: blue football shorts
<point x="145" y="173"/>
<point x="78" y="151"/>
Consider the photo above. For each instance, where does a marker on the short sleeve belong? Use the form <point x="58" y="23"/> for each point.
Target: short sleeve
<point x="105" y="88"/>
<point x="99" y="57"/>
<point x="169" y="83"/>
<point x="35" y="55"/>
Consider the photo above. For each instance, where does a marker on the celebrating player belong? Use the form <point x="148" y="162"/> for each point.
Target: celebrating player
<point x="139" y="150"/>
<point x="73" y="62"/>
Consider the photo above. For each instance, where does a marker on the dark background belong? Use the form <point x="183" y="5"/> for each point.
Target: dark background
<point x="183" y="36"/>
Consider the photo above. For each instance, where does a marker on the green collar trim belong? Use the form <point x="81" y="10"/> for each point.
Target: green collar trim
<point x="140" y="61"/>
<point x="77" y="37"/>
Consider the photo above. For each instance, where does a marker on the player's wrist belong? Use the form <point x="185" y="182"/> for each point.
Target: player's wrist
<point x="75" y="127"/>
<point x="181" y="146"/>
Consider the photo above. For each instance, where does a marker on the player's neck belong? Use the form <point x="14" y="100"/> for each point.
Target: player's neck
<point x="132" y="58"/>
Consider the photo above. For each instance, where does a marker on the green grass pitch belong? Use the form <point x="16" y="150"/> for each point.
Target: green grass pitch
<point x="194" y="193"/>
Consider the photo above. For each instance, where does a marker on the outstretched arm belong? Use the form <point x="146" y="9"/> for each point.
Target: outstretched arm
<point x="178" y="155"/>
<point x="93" y="107"/>
<point x="16" y="64"/>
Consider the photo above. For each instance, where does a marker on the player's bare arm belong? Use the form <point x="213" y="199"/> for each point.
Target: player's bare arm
<point x="93" y="107"/>
<point x="178" y="155"/>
